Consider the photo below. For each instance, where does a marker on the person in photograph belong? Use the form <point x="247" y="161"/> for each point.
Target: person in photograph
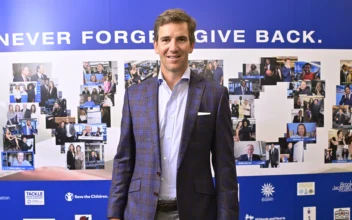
<point x="70" y="157"/>
<point x="242" y="89"/>
<point x="17" y="94"/>
<point x="245" y="133"/>
<point x="33" y="111"/>
<point x="344" y="74"/>
<point x="98" y="133"/>
<point x="253" y="71"/>
<point x="100" y="90"/>
<point x="301" y="131"/>
<point x="274" y="156"/>
<point x="316" y="116"/>
<point x="286" y="71"/>
<point x="11" y="116"/>
<point x="298" y="118"/>
<point x="105" y="116"/>
<point x="346" y="99"/>
<point x="28" y="129"/>
<point x="85" y="91"/>
<point x="57" y="111"/>
<point x="100" y="69"/>
<point x="238" y="133"/>
<point x="70" y="131"/>
<point x="194" y="68"/>
<point x="218" y="75"/>
<point x="89" y="102"/>
<point x="52" y="90"/>
<point x="79" y="158"/>
<point x="94" y="157"/>
<point x="307" y="74"/>
<point x="60" y="134"/>
<point x="25" y="75"/>
<point x="10" y="142"/>
<point x="82" y="116"/>
<point x="176" y="174"/>
<point x="319" y="90"/>
<point x="93" y="78"/>
<point x="107" y="101"/>
<point x="87" y="131"/>
<point x="208" y="72"/>
<point x="23" y="144"/>
<point x="40" y="74"/>
<point x="333" y="148"/>
<point x="44" y="92"/>
<point x="26" y="112"/>
<point x="18" y="113"/>
<point x="340" y="119"/>
<point x="20" y="161"/>
<point x="30" y="93"/>
<point x="303" y="89"/>
<point x="94" y="91"/>
<point x="135" y="75"/>
<point x="278" y="72"/>
<point x="107" y="85"/>
<point x="246" y="109"/>
<point x="250" y="156"/>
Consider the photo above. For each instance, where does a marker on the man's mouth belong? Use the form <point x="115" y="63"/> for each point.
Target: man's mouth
<point x="173" y="57"/>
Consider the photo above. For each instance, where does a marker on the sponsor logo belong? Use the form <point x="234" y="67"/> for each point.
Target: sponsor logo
<point x="83" y="217"/>
<point x="251" y="217"/>
<point x="343" y="187"/>
<point x="34" y="198"/>
<point x="342" y="214"/>
<point x="306" y="189"/>
<point x="4" y="198"/>
<point x="268" y="192"/>
<point x="309" y="213"/>
<point x="69" y="197"/>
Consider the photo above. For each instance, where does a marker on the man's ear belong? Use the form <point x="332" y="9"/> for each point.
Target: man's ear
<point x="156" y="49"/>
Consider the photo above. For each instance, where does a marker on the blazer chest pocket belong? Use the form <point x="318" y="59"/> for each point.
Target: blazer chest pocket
<point x="204" y="187"/>
<point x="201" y="119"/>
<point x="135" y="185"/>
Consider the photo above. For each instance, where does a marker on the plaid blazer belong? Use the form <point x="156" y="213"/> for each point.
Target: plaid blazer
<point x="136" y="171"/>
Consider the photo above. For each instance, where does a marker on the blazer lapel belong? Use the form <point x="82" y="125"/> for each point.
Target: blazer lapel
<point x="195" y="92"/>
<point x="151" y="108"/>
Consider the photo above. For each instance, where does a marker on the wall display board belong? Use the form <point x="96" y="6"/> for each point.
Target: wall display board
<point x="66" y="65"/>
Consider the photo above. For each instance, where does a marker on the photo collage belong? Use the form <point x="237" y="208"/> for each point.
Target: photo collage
<point x="305" y="89"/>
<point x="339" y="148"/>
<point x="82" y="138"/>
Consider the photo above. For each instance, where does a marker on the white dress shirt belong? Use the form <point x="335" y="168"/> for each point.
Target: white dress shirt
<point x="172" y="105"/>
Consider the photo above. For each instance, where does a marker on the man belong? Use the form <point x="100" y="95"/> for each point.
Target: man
<point x="298" y="118"/>
<point x="242" y="89"/>
<point x="28" y="129"/>
<point x="249" y="156"/>
<point x="346" y="99"/>
<point x="162" y="166"/>
<point x="274" y="156"/>
<point x="70" y="131"/>
<point x="25" y="75"/>
<point x="40" y="74"/>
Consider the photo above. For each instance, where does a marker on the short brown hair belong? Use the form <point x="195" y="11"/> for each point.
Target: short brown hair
<point x="175" y="16"/>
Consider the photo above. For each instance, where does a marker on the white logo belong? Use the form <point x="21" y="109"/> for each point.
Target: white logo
<point x="268" y="191"/>
<point x="343" y="187"/>
<point x="251" y="217"/>
<point x="69" y="197"/>
<point x="83" y="217"/>
<point x="306" y="189"/>
<point x="309" y="213"/>
<point x="342" y="214"/>
<point x="34" y="198"/>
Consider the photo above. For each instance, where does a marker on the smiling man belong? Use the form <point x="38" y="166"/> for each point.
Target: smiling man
<point x="174" y="126"/>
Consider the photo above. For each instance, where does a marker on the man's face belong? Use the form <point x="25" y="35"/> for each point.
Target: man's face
<point x="25" y="71"/>
<point x="306" y="68"/>
<point x="250" y="150"/>
<point x="20" y="157"/>
<point x="347" y="90"/>
<point x="173" y="47"/>
<point x="303" y="85"/>
<point x="41" y="69"/>
<point x="288" y="62"/>
<point x="243" y="83"/>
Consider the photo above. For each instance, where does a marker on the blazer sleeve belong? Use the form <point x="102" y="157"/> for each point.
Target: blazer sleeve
<point x="224" y="162"/>
<point x="123" y="165"/>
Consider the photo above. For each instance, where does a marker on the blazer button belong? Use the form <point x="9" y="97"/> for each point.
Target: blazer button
<point x="156" y="194"/>
<point x="158" y="173"/>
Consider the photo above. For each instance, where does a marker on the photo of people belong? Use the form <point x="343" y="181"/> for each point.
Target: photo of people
<point x="15" y="141"/>
<point x="101" y="73"/>
<point x="75" y="155"/>
<point x="313" y="107"/>
<point x="250" y="153"/>
<point x="291" y="152"/>
<point x="341" y="116"/>
<point x="339" y="148"/>
<point x="26" y="72"/>
<point x="94" y="156"/>
<point x="251" y="71"/>
<point x="212" y="70"/>
<point x="49" y="91"/>
<point x="318" y="88"/>
<point x="19" y="111"/>
<point x="272" y="155"/>
<point x="343" y="95"/>
<point x="243" y="106"/>
<point x="301" y="132"/>
<point x="91" y="132"/>
<point x="244" y="129"/>
<point x="24" y="92"/>
<point x="304" y="88"/>
<point x="244" y="87"/>
<point x="138" y="71"/>
<point x="95" y="115"/>
<point x="345" y="72"/>
<point x="297" y="116"/>
<point x="307" y="70"/>
<point x="90" y="101"/>
<point x="54" y="122"/>
<point x="65" y="131"/>
<point x="17" y="160"/>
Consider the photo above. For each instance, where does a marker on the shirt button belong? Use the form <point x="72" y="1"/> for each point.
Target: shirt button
<point x="162" y="179"/>
<point x="164" y="158"/>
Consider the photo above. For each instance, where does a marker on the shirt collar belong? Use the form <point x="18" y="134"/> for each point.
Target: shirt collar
<point x="185" y="77"/>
